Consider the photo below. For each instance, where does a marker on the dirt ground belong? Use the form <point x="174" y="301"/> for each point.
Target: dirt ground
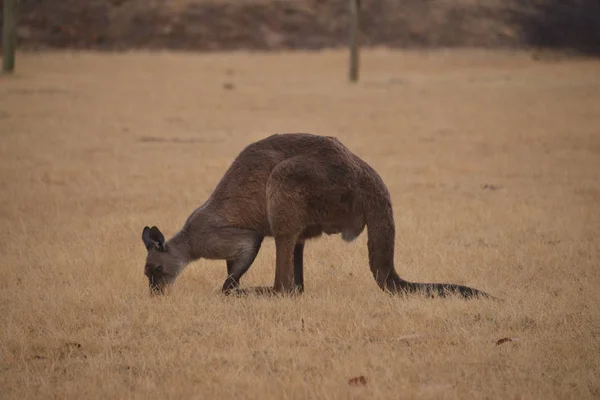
<point x="493" y="163"/>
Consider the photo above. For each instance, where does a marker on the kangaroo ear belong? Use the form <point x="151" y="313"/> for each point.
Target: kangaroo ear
<point x="146" y="239"/>
<point x="157" y="237"/>
<point x="153" y="239"/>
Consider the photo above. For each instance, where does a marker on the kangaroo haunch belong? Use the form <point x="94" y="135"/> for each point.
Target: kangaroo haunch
<point x="292" y="187"/>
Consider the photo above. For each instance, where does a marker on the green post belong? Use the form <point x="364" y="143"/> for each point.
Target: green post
<point x="9" y="36"/>
<point x="354" y="40"/>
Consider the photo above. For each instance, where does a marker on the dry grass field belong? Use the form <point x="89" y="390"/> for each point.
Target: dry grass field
<point x="493" y="163"/>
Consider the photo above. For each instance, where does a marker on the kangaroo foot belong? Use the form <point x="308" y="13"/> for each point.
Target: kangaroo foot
<point x="261" y="291"/>
<point x="257" y="290"/>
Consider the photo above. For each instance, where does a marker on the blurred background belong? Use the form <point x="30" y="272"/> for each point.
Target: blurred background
<point x="572" y="25"/>
<point x="491" y="157"/>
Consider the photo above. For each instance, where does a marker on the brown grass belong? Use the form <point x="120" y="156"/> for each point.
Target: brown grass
<point x="94" y="147"/>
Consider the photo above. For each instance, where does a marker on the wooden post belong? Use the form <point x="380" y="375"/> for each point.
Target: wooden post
<point x="354" y="40"/>
<point x="9" y="36"/>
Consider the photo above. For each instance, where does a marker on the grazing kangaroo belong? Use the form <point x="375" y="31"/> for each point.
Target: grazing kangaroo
<point x="292" y="187"/>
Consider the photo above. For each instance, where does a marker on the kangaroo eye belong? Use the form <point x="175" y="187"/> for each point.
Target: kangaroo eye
<point x="158" y="269"/>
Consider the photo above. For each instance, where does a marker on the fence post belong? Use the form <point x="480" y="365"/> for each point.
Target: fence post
<point x="9" y="36"/>
<point x="354" y="39"/>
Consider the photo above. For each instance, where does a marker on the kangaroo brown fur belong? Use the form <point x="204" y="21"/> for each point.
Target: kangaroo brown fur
<point x="292" y="187"/>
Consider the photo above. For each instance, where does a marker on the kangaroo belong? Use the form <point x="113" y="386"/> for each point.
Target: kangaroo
<point x="292" y="187"/>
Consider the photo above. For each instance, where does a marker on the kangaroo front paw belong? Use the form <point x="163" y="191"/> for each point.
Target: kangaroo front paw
<point x="229" y="285"/>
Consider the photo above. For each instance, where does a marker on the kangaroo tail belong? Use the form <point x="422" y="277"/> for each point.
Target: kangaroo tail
<point x="380" y="243"/>
<point x="400" y="286"/>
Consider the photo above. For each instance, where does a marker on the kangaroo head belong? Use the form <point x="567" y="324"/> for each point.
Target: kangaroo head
<point x="162" y="265"/>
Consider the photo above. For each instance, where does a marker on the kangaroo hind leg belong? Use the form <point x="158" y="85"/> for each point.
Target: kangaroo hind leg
<point x="288" y="189"/>
<point x="299" y="266"/>
<point x="302" y="193"/>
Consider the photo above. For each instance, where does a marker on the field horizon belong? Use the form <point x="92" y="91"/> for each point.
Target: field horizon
<point x="492" y="160"/>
